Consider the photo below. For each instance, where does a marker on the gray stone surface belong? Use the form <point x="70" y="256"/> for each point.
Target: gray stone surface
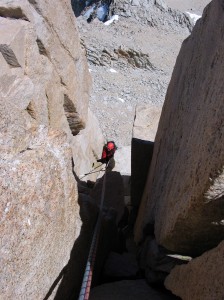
<point x="184" y="191"/>
<point x="39" y="215"/>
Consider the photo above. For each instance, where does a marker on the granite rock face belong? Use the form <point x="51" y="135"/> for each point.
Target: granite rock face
<point x="41" y="52"/>
<point x="44" y="93"/>
<point x="87" y="147"/>
<point x="184" y="191"/>
<point x="200" y="279"/>
<point x="39" y="214"/>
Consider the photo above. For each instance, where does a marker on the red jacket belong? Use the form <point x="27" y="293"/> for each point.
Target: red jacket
<point x="108" y="152"/>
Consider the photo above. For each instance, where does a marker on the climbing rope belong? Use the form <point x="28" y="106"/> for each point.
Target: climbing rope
<point x="92" y="171"/>
<point x="88" y="274"/>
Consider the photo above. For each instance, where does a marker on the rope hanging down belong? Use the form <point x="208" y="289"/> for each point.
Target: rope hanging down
<point x="92" y="171"/>
<point x="88" y="274"/>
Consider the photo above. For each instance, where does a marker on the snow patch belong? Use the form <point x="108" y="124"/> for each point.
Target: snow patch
<point x="112" y="70"/>
<point x="112" y="19"/>
<point x="89" y="12"/>
<point x="122" y="100"/>
<point x="193" y="17"/>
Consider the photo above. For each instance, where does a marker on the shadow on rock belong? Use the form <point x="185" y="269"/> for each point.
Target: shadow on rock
<point x="71" y="276"/>
<point x="114" y="193"/>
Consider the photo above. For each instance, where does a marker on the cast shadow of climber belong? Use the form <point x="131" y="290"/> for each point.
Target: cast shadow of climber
<point x="70" y="285"/>
<point x="71" y="276"/>
<point x="114" y="191"/>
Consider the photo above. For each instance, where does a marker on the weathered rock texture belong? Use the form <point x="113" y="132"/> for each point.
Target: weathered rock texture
<point x="44" y="91"/>
<point x="87" y="147"/>
<point x="200" y="279"/>
<point x="154" y="13"/>
<point x="44" y="55"/>
<point x="39" y="215"/>
<point x="184" y="190"/>
<point x="119" y="56"/>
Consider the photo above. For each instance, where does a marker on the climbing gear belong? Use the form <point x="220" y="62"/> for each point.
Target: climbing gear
<point x="92" y="171"/>
<point x="88" y="274"/>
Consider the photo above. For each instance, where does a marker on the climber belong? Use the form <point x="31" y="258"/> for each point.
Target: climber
<point x="108" y="152"/>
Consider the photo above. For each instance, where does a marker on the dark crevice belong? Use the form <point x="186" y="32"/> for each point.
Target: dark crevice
<point x="74" y="121"/>
<point x="35" y="5"/>
<point x="41" y="48"/>
<point x="48" y="109"/>
<point x="9" y="56"/>
<point x="13" y="12"/>
<point x="62" y="82"/>
<point x="31" y="110"/>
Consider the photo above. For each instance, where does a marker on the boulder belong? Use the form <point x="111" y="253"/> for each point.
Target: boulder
<point x="146" y="122"/>
<point x="156" y="262"/>
<point x="200" y="279"/>
<point x="184" y="190"/>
